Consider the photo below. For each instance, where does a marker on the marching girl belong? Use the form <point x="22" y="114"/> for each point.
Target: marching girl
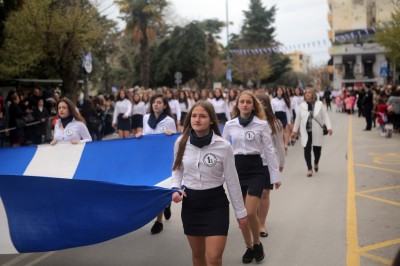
<point x="138" y="111"/>
<point x="174" y="106"/>
<point x="221" y="106"/>
<point x="159" y="121"/>
<point x="251" y="140"/>
<point x="70" y="126"/>
<point x="277" y="139"/>
<point x="122" y="112"/>
<point x="205" y="161"/>
<point x="281" y="107"/>
<point x="184" y="104"/>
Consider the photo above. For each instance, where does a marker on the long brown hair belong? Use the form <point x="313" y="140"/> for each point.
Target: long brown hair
<point x="71" y="109"/>
<point x="258" y="107"/>
<point x="270" y="117"/>
<point x="187" y="128"/>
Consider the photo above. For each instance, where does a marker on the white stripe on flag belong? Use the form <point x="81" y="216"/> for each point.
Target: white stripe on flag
<point x="60" y="160"/>
<point x="165" y="183"/>
<point x="6" y="245"/>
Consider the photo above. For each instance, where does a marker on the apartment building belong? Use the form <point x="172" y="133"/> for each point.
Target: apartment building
<point x="356" y="58"/>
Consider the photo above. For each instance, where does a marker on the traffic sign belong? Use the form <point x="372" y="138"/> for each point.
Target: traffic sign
<point x="178" y="75"/>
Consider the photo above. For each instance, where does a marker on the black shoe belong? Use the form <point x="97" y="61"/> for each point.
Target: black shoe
<point x="309" y="173"/>
<point x="367" y="129"/>
<point x="157" y="228"/>
<point x="263" y="234"/>
<point x="248" y="256"/>
<point x="258" y="252"/>
<point x="316" y="168"/>
<point x="167" y="212"/>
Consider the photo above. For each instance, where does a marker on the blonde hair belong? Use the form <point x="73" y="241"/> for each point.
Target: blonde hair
<point x="258" y="109"/>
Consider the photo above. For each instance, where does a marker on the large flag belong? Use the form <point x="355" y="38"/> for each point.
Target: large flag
<point x="62" y="196"/>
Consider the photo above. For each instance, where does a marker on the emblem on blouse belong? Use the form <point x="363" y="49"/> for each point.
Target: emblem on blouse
<point x="69" y="132"/>
<point x="210" y="159"/>
<point x="163" y="128"/>
<point x="250" y="135"/>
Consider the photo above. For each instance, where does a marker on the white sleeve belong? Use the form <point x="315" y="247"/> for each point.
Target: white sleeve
<point x="227" y="111"/>
<point x="270" y="156"/>
<point x="272" y="105"/>
<point x="84" y="132"/>
<point x="297" y="121"/>
<point x="325" y="116"/>
<point x="115" y="114"/>
<point x="129" y="111"/>
<point x="225" y="133"/>
<point x="171" y="125"/>
<point x="233" y="185"/>
<point x="288" y="115"/>
<point x="177" y="175"/>
<point x="279" y="145"/>
<point x="178" y="110"/>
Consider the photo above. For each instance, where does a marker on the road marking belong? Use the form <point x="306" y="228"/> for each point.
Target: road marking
<point x="379" y="245"/>
<point x="376" y="146"/>
<point x="377" y="168"/>
<point x="378" y="199"/>
<point x="377" y="258"/>
<point x="39" y="259"/>
<point x="353" y="258"/>
<point x="378" y="189"/>
<point x="386" y="158"/>
<point x="17" y="259"/>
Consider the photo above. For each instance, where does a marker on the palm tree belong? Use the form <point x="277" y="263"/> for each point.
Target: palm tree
<point x="143" y="17"/>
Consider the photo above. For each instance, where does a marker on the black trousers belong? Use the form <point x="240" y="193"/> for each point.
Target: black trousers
<point x="307" y="152"/>
<point x="368" y="118"/>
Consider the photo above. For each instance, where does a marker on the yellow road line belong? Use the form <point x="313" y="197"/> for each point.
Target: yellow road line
<point x="378" y="189"/>
<point x="377" y="258"/>
<point x="376" y="146"/>
<point x="353" y="258"/>
<point x="377" y="168"/>
<point x="378" y="199"/>
<point x="379" y="245"/>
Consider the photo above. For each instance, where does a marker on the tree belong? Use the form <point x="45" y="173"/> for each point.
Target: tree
<point x="257" y="32"/>
<point x="389" y="36"/>
<point x="206" y="74"/>
<point x="50" y="32"/>
<point x="143" y="17"/>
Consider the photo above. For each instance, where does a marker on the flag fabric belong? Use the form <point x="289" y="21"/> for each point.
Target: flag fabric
<point x="62" y="196"/>
<point x="39" y="214"/>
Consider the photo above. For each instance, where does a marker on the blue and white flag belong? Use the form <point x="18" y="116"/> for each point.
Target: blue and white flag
<point x="63" y="196"/>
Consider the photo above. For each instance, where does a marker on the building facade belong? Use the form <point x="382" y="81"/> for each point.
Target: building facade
<point x="300" y="62"/>
<point x="356" y="58"/>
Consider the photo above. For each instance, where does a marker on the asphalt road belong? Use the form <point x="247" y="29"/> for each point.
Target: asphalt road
<point x="346" y="214"/>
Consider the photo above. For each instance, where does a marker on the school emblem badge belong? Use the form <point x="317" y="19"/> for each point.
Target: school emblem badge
<point x="210" y="159"/>
<point x="163" y="129"/>
<point x="68" y="132"/>
<point x="250" y="135"/>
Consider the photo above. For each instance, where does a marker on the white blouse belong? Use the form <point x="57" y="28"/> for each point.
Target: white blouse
<point x="210" y="167"/>
<point x="175" y="108"/>
<point x="122" y="107"/>
<point x="255" y="138"/>
<point x="279" y="105"/>
<point x="166" y="124"/>
<point x="221" y="106"/>
<point x="139" y="109"/>
<point x="74" y="130"/>
<point x="296" y="101"/>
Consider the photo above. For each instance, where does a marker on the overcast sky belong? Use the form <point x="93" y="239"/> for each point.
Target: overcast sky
<point x="296" y="22"/>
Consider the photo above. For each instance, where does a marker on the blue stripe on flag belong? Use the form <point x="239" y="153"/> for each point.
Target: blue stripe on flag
<point x="145" y="161"/>
<point x="14" y="161"/>
<point x="49" y="213"/>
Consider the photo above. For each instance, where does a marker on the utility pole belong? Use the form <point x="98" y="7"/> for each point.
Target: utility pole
<point x="228" y="59"/>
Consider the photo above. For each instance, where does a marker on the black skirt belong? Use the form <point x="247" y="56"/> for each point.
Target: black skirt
<point x="123" y="123"/>
<point x="251" y="174"/>
<point x="268" y="184"/>
<point x="205" y="212"/>
<point x="282" y="117"/>
<point x="183" y="117"/>
<point x="137" y="121"/>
